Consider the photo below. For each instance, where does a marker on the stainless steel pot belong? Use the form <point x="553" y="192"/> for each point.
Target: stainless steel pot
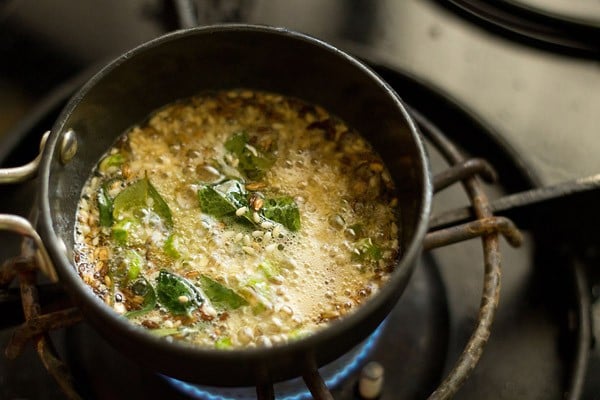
<point x="180" y="65"/>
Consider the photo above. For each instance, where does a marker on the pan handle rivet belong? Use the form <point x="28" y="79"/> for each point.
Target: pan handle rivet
<point x="370" y="382"/>
<point x="68" y="146"/>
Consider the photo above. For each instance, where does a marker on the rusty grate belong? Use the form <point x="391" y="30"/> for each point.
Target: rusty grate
<point x="36" y="327"/>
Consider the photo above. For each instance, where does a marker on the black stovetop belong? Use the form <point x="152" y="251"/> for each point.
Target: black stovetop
<point x="532" y="349"/>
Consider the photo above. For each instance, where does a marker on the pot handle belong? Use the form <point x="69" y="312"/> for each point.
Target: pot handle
<point x="20" y="225"/>
<point x="24" y="172"/>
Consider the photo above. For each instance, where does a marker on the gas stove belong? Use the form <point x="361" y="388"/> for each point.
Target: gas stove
<point x="525" y="108"/>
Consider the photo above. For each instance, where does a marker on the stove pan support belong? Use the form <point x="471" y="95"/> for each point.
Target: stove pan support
<point x="34" y="257"/>
<point x="37" y="325"/>
<point x="488" y="227"/>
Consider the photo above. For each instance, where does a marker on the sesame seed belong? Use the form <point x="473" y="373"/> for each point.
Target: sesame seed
<point x="257" y="234"/>
<point x="277" y="322"/>
<point x="120" y="308"/>
<point x="252" y="150"/>
<point x="267" y="236"/>
<point x="271" y="248"/>
<point x="249" y="250"/>
<point x="256" y="217"/>
<point x="266" y="225"/>
<point x="287" y="310"/>
<point x="183" y="299"/>
<point x="241" y="211"/>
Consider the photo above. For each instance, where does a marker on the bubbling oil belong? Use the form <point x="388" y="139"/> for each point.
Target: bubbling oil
<point x="293" y="281"/>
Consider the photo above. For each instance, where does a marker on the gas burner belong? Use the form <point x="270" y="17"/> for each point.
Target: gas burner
<point x="535" y="25"/>
<point x="295" y="389"/>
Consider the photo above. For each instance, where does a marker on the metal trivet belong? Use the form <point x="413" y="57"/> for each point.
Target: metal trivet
<point x="33" y="257"/>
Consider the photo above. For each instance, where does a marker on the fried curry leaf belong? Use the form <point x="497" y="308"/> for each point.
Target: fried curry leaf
<point x="358" y="229"/>
<point x="160" y="332"/>
<point x="134" y="264"/>
<point x="269" y="269"/>
<point x="126" y="267"/>
<point x="214" y="203"/>
<point x="258" y="293"/>
<point x="113" y="160"/>
<point x="105" y="207"/>
<point x="224" y="198"/>
<point x="253" y="163"/>
<point x="283" y="210"/>
<point x="122" y="230"/>
<point x="223" y="343"/>
<point x="141" y="194"/>
<point x="220" y="295"/>
<point x="365" y="249"/>
<point x="228" y="197"/>
<point x="142" y="287"/>
<point x="171" y="246"/>
<point x="297" y="334"/>
<point x="177" y="294"/>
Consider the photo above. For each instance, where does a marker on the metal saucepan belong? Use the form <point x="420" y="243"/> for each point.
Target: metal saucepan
<point x="180" y="65"/>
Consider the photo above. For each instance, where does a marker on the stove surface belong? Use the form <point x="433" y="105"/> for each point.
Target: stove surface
<point x="544" y="104"/>
<point x="531" y="112"/>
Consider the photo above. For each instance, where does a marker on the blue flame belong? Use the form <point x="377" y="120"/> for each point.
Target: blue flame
<point x="216" y="393"/>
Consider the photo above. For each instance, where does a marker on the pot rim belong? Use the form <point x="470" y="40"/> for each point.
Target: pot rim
<point x="82" y="293"/>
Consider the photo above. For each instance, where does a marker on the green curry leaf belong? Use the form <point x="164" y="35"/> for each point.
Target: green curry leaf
<point x="143" y="288"/>
<point x="113" y="160"/>
<point x="213" y="202"/>
<point x="141" y="194"/>
<point x="221" y="295"/>
<point x="283" y="210"/>
<point x="224" y="198"/>
<point x="134" y="264"/>
<point x="269" y="269"/>
<point x="227" y="197"/>
<point x="171" y="246"/>
<point x="172" y="288"/>
<point x="253" y="163"/>
<point x="161" y="332"/>
<point x="123" y="230"/>
<point x="105" y="207"/>
<point x="367" y="250"/>
<point x="223" y="343"/>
